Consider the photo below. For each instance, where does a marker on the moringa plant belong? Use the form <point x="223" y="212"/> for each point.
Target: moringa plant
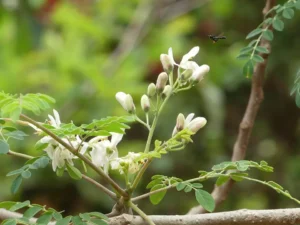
<point x="80" y="149"/>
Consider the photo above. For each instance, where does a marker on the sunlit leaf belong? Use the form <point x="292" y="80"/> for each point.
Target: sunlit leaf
<point x="73" y="172"/>
<point x="157" y="197"/>
<point x="288" y="13"/>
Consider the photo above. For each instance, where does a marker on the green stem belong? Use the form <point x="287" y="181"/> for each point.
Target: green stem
<point x="141" y="213"/>
<point x="142" y="122"/>
<point x="75" y="152"/>
<point x="21" y="155"/>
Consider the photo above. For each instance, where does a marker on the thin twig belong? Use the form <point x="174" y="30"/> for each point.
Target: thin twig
<point x="100" y="186"/>
<point x="256" y="97"/>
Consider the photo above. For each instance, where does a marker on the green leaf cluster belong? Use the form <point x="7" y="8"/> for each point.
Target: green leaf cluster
<point x="252" y="52"/>
<point x="158" y="182"/>
<point x="12" y="105"/>
<point x="25" y="171"/>
<point x="45" y="215"/>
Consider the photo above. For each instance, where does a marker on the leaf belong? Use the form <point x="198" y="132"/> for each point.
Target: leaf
<point x="16" y="184"/>
<point x="246" y="50"/>
<point x="76" y="220"/>
<point x="288" y="13"/>
<point x="45" y="218"/>
<point x="9" y="222"/>
<point x="15" y="172"/>
<point x="188" y="188"/>
<point x="242" y="165"/>
<point x="42" y="162"/>
<point x="64" y="221"/>
<point x="254" y="33"/>
<point x="243" y="56"/>
<point x="205" y="200"/>
<point x="31" y="212"/>
<point x="4" y="147"/>
<point x="262" y="49"/>
<point x="19" y="205"/>
<point x="268" y="35"/>
<point x="197" y="185"/>
<point x="180" y="186"/>
<point x="15" y="114"/>
<point x="98" y="221"/>
<point x="7" y="204"/>
<point x="157" y="197"/>
<point x="275" y="185"/>
<point x="222" y="180"/>
<point x="278" y="24"/>
<point x="17" y="134"/>
<point x="253" y="42"/>
<point x="40" y="146"/>
<point x="157" y="177"/>
<point x="153" y="183"/>
<point x="257" y="58"/>
<point x="85" y="216"/>
<point x="26" y="174"/>
<point x="73" y="172"/>
<point x="99" y="215"/>
<point x="248" y="69"/>
<point x="238" y="176"/>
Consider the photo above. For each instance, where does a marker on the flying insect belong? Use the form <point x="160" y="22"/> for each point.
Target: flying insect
<point x="215" y="38"/>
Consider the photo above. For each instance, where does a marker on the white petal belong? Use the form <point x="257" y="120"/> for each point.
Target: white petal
<point x="115" y="138"/>
<point x="57" y="118"/>
<point x="121" y="97"/>
<point x="98" y="155"/>
<point x="170" y="53"/>
<point x="189" y="119"/>
<point x="190" y="65"/>
<point x="194" y="51"/>
<point x="52" y="121"/>
<point x="197" y="124"/>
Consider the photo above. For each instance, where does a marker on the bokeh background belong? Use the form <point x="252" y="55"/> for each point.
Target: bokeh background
<point x="82" y="52"/>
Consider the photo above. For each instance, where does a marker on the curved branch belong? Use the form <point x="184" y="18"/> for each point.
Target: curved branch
<point x="246" y="125"/>
<point x="240" y="217"/>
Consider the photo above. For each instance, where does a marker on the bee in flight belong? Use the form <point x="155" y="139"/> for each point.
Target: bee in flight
<point x="215" y="38"/>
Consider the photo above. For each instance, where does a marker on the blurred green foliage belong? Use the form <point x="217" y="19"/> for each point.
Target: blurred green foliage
<point x="76" y="52"/>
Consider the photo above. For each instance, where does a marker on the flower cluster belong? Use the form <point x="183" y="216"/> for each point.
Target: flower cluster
<point x="102" y="151"/>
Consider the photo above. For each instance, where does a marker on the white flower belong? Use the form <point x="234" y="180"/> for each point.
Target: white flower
<point x="126" y="101"/>
<point x="192" y="124"/>
<point x="55" y="121"/>
<point x="104" y="151"/>
<point x="192" y="53"/>
<point x="58" y="154"/>
<point x="127" y="163"/>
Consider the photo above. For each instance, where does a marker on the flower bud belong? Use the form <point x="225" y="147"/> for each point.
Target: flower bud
<point x="199" y="74"/>
<point x="151" y="90"/>
<point x="166" y="62"/>
<point x="126" y="101"/>
<point x="145" y="103"/>
<point x="161" y="82"/>
<point x="196" y="124"/>
<point x="167" y="91"/>
<point x="180" y="122"/>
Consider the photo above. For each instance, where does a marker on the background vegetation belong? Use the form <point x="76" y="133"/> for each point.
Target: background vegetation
<point x="80" y="53"/>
